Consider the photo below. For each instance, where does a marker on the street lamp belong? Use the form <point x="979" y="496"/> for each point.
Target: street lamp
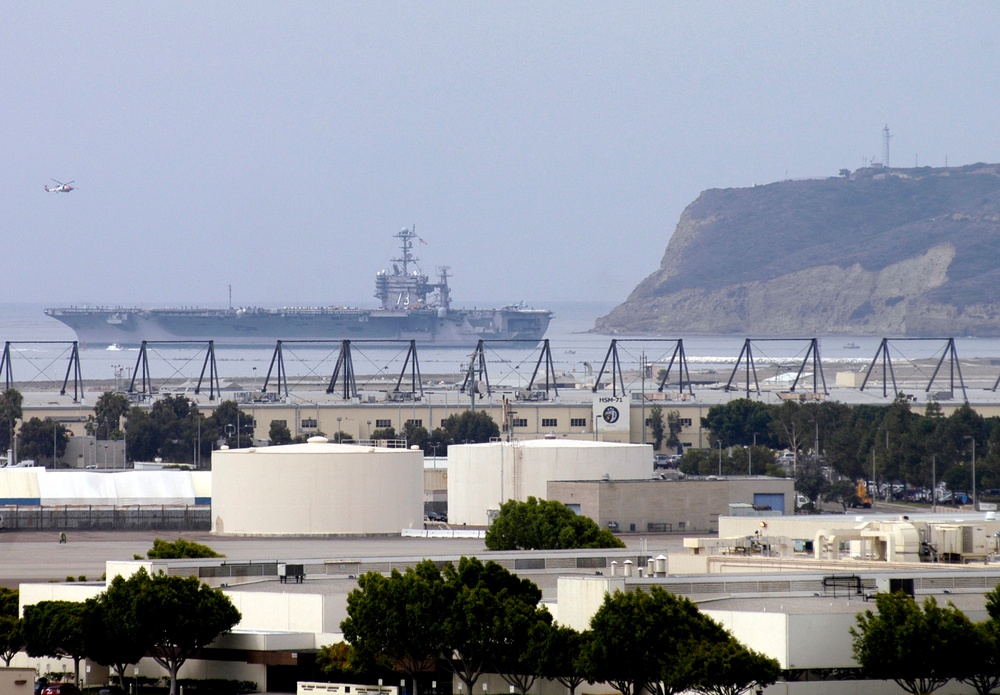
<point x="975" y="500"/>
<point x="340" y="432"/>
<point x="750" y="455"/>
<point x="720" y="457"/>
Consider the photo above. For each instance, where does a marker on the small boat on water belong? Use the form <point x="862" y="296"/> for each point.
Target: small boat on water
<point x="851" y="346"/>
<point x="114" y="346"/>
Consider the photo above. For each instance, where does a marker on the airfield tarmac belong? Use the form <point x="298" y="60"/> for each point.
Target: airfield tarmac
<point x="38" y="556"/>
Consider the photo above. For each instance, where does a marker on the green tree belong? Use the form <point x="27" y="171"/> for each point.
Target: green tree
<point x="737" y="421"/>
<point x="11" y="401"/>
<point x="38" y="437"/>
<point x="729" y="668"/>
<point x="56" y="628"/>
<point x="384" y="433"/>
<point x="113" y="637"/>
<point x="234" y="423"/>
<point x="279" y="433"/>
<point x="545" y="525"/>
<point x="984" y="657"/>
<point x="399" y="619"/>
<point x="674" y="431"/>
<point x="182" y="615"/>
<point x="656" y="426"/>
<point x="560" y="657"/>
<point x="415" y="435"/>
<point x="644" y="640"/>
<point x="810" y="480"/>
<point x="179" y="549"/>
<point x="11" y="637"/>
<point x="921" y="649"/>
<point x="470" y="427"/>
<point x="791" y="423"/>
<point x="172" y="429"/>
<point x="480" y="597"/>
<point x="337" y="661"/>
<point x="109" y="410"/>
<point x="522" y="637"/>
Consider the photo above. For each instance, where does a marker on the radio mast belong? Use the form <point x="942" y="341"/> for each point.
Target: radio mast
<point x="885" y="145"/>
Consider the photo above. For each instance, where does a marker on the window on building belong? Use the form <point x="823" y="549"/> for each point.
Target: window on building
<point x="550" y="422"/>
<point x="383" y="424"/>
<point x="520" y="422"/>
<point x="578" y="422"/>
<point x="684" y="421"/>
<point x="309" y="423"/>
<point x="415" y="423"/>
<point x="280" y="423"/>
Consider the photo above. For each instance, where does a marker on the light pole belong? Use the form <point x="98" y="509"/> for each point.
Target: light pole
<point x="750" y="456"/>
<point x="720" y="457"/>
<point x="340" y="432"/>
<point x="975" y="500"/>
<point x="871" y="493"/>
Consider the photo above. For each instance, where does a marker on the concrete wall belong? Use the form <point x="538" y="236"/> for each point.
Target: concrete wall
<point x="687" y="506"/>
<point x="482" y="476"/>
<point x="316" y="488"/>
<point x="15" y="681"/>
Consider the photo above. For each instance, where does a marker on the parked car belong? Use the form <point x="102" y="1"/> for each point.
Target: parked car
<point x="39" y="684"/>
<point x="111" y="690"/>
<point x="60" y="689"/>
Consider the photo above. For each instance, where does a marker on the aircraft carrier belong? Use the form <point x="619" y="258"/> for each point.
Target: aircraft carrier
<point x="412" y="308"/>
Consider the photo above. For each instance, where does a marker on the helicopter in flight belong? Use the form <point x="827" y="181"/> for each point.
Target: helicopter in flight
<point x="61" y="188"/>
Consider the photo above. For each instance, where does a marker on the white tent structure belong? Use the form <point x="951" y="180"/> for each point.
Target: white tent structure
<point x="72" y="488"/>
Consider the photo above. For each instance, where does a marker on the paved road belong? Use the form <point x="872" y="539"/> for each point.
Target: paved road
<point x="38" y="556"/>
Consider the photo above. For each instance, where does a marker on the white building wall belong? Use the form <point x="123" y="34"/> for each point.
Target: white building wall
<point x="316" y="488"/>
<point x="580" y="597"/>
<point x="482" y="476"/>
<point x="278" y="612"/>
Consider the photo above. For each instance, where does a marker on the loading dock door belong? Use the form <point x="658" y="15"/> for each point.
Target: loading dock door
<point x="772" y="500"/>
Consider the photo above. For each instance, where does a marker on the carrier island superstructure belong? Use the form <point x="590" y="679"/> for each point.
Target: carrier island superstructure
<point x="412" y="308"/>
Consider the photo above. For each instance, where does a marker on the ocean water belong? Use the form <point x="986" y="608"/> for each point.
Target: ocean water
<point x="40" y="348"/>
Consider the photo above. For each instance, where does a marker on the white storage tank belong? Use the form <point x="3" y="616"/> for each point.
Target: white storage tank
<point x="317" y="488"/>
<point x="482" y="476"/>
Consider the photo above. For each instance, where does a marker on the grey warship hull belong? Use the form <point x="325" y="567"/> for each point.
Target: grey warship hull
<point x="97" y="327"/>
<point x="412" y="308"/>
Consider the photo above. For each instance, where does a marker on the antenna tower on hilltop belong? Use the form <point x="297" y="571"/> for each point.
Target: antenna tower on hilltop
<point x="885" y="145"/>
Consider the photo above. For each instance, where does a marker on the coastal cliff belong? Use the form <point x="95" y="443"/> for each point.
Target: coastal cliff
<point x="876" y="252"/>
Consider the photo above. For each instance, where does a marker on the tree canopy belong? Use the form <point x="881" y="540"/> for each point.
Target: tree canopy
<point x="545" y="525"/>
<point x="105" y="422"/>
<point x="398" y="618"/>
<point x="178" y="549"/>
<point x="11" y="401"/>
<point x="180" y="615"/>
<point x="37" y="438"/>
<point x="172" y="429"/>
<point x="11" y="636"/>
<point x="56" y="628"/>
<point x="475" y="616"/>
<point x="921" y="648"/>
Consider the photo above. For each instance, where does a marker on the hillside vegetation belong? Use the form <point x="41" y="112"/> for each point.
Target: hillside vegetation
<point x="882" y="251"/>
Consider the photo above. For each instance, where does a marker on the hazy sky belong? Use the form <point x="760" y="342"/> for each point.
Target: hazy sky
<point x="544" y="150"/>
